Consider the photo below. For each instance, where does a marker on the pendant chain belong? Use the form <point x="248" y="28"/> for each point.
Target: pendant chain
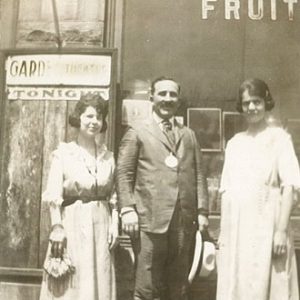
<point x="91" y="172"/>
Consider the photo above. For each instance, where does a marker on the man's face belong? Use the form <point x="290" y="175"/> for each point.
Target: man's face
<point x="165" y="98"/>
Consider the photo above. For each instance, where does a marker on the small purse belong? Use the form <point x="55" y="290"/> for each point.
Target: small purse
<point x="58" y="267"/>
<point x="58" y="273"/>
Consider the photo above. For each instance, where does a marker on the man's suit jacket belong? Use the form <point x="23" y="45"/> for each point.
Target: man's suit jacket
<point x="146" y="182"/>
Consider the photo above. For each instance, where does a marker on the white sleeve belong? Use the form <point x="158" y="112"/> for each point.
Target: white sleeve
<point x="53" y="194"/>
<point x="288" y="165"/>
<point x="225" y="172"/>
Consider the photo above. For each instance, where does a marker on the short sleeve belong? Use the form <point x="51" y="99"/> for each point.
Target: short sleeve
<point x="288" y="165"/>
<point x="54" y="189"/>
<point x="225" y="172"/>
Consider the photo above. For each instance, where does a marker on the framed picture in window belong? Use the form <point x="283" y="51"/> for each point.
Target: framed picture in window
<point x="233" y="122"/>
<point x="206" y="122"/>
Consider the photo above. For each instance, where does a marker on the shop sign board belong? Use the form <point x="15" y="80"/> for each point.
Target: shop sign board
<point x="53" y="93"/>
<point x="57" y="76"/>
<point x="58" y="69"/>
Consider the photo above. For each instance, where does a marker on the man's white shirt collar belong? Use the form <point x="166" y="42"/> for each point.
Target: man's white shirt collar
<point x="159" y="120"/>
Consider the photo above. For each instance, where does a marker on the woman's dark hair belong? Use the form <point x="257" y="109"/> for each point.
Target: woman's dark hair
<point x="93" y="100"/>
<point x="255" y="87"/>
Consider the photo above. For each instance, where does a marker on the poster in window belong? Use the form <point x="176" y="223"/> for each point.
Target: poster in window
<point x="206" y="122"/>
<point x="233" y="122"/>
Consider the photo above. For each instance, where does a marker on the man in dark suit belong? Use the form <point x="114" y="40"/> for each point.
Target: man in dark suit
<point x="163" y="196"/>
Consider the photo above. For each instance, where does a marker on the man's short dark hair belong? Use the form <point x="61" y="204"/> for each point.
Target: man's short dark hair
<point x="163" y="78"/>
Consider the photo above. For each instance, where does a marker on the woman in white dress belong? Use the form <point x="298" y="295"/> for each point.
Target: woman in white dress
<point x="260" y="174"/>
<point x="83" y="211"/>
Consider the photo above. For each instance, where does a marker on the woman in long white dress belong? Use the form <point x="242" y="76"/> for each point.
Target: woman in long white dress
<point x="83" y="211"/>
<point x="260" y="175"/>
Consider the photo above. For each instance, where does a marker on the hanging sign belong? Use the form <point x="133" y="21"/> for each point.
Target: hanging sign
<point x="52" y="69"/>
<point x="53" y="93"/>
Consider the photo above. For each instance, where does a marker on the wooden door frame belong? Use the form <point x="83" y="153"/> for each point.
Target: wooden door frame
<point x="32" y="274"/>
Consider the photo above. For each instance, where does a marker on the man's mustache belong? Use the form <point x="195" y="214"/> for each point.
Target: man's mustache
<point x="168" y="104"/>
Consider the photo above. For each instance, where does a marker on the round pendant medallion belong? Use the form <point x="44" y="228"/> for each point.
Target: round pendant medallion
<point x="171" y="161"/>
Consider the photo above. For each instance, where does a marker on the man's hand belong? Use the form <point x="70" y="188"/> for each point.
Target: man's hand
<point x="130" y="224"/>
<point x="202" y="222"/>
<point x="280" y="242"/>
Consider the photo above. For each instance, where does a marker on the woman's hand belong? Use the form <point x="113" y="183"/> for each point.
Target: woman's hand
<point x="280" y="242"/>
<point x="113" y="230"/>
<point x="58" y="240"/>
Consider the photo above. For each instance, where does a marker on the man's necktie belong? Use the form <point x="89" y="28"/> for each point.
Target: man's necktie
<point x="168" y="130"/>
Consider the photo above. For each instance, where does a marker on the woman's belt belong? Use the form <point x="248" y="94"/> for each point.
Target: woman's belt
<point x="68" y="200"/>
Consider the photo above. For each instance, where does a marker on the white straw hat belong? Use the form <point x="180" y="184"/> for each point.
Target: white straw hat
<point x="204" y="261"/>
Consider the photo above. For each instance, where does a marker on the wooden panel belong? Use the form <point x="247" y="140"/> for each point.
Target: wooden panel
<point x="54" y="132"/>
<point x="118" y="35"/>
<point x="17" y="291"/>
<point x="8" y="23"/>
<point x="21" y="273"/>
<point x="2" y="101"/>
<point x="71" y="132"/>
<point x="21" y="183"/>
